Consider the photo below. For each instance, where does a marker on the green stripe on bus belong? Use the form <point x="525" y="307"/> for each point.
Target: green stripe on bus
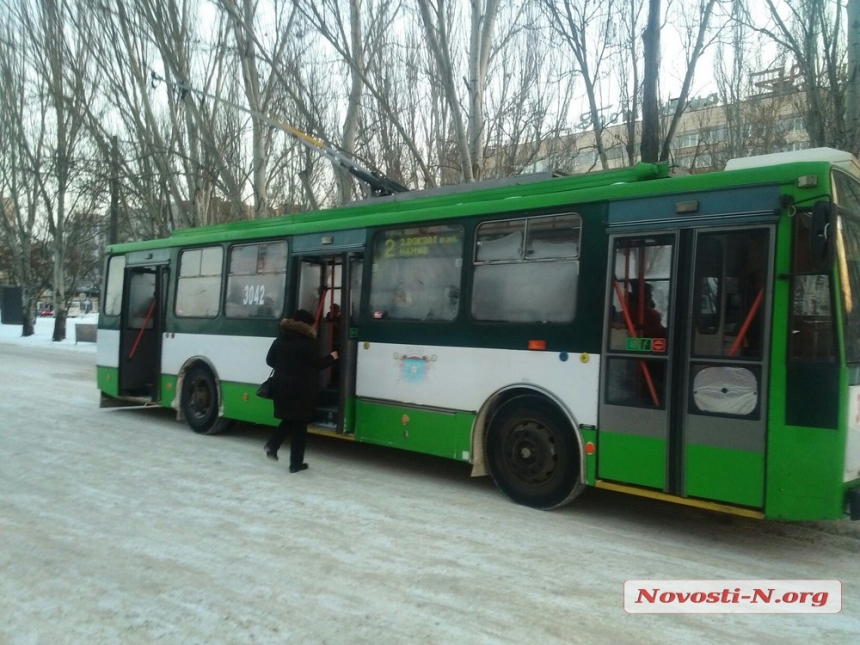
<point x="804" y="474"/>
<point x="168" y="390"/>
<point x="632" y="459"/>
<point x="721" y="474"/>
<point x="108" y="380"/>
<point x="240" y="402"/>
<point x="444" y="434"/>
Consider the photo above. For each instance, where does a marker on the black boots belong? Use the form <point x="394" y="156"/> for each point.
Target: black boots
<point x="295" y="469"/>
<point x="271" y="453"/>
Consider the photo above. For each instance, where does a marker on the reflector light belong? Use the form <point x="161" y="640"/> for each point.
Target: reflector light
<point x="537" y="344"/>
<point x="687" y="207"/>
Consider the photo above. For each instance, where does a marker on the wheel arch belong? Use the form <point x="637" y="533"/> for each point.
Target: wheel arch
<point x="503" y="396"/>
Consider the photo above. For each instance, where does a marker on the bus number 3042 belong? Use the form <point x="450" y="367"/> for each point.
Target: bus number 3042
<point x="254" y="294"/>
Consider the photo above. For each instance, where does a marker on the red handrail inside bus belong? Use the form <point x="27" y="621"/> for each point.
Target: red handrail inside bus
<point x="319" y="312"/>
<point x="632" y="331"/>
<point x="142" y="329"/>
<point x="745" y="328"/>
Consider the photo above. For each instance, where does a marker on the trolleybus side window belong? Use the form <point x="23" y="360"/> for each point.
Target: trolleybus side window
<point x="730" y="283"/>
<point x="416" y="273"/>
<point x="526" y="270"/>
<point x="113" y="291"/>
<point x="198" y="288"/>
<point x="256" y="279"/>
<point x="639" y="321"/>
<point x="848" y="259"/>
<point x="811" y="317"/>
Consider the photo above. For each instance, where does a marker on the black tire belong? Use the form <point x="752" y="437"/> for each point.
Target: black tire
<point x="200" y="400"/>
<point x="533" y="454"/>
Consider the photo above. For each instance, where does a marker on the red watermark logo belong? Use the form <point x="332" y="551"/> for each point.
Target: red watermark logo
<point x="732" y="596"/>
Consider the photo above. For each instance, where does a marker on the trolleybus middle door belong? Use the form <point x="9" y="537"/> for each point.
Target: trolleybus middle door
<point x="684" y="379"/>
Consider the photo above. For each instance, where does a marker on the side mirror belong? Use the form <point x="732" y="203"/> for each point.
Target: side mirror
<point x="821" y="233"/>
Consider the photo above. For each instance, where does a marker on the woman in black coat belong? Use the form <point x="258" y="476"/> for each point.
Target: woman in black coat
<point x="295" y="384"/>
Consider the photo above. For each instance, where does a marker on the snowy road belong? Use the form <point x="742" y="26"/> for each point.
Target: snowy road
<point x="125" y="527"/>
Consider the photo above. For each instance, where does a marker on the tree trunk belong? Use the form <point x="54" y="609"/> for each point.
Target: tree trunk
<point x="438" y="42"/>
<point x="650" y="108"/>
<point x="353" y="109"/>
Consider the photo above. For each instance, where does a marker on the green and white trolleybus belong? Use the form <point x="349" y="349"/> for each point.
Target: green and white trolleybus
<point x="693" y="339"/>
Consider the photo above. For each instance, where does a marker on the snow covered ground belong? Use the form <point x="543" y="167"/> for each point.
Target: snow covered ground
<point x="122" y="526"/>
<point x="11" y="334"/>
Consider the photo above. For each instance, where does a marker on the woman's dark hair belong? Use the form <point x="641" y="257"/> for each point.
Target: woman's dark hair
<point x="304" y="316"/>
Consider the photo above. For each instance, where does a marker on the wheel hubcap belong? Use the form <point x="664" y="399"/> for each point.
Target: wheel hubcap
<point x="200" y="398"/>
<point x="531" y="452"/>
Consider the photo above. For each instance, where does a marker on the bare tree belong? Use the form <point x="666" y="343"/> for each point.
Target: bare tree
<point x="260" y="89"/>
<point x="585" y="27"/>
<point x="346" y="33"/>
<point x="169" y="130"/>
<point x="695" y="25"/>
<point x="628" y="70"/>
<point x="375" y="125"/>
<point x="438" y="20"/>
<point x="170" y="25"/>
<point x="530" y="94"/>
<point x="123" y="59"/>
<point x="852" y="95"/>
<point x="750" y="105"/>
<point x="812" y="34"/>
<point x="21" y="139"/>
<point x="52" y="44"/>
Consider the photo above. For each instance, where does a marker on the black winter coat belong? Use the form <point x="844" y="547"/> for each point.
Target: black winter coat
<point x="295" y="383"/>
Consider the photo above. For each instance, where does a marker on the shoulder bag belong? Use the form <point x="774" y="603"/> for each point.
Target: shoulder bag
<point x="265" y="389"/>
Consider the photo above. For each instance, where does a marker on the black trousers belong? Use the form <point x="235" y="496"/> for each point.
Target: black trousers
<point x="299" y="431"/>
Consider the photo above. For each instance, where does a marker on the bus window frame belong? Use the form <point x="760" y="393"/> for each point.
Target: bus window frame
<point x="845" y="216"/>
<point x="226" y="274"/>
<point x="525" y="260"/>
<point x="106" y="311"/>
<point x="221" y="286"/>
<point x="377" y="315"/>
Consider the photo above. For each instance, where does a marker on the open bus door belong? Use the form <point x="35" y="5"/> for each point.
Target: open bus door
<point x="141" y="331"/>
<point x="684" y="376"/>
<point x="329" y="286"/>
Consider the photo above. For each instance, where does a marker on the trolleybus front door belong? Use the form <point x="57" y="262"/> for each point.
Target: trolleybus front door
<point x="140" y="338"/>
<point x="329" y="286"/>
<point x="684" y="379"/>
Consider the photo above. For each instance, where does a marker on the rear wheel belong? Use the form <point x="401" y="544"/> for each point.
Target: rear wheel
<point x="532" y="453"/>
<point x="200" y="401"/>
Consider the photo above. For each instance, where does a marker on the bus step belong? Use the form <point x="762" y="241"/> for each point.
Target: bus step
<point x="327" y="415"/>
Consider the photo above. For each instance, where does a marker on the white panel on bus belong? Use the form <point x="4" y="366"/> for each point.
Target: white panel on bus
<point x="463" y="378"/>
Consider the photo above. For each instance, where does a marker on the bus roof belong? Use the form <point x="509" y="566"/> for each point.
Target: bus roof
<point x="510" y="195"/>
<point x="844" y="160"/>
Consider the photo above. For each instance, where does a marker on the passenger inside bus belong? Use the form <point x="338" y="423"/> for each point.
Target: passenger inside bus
<point x="646" y="318"/>
<point x="644" y="314"/>
<point x="330" y="339"/>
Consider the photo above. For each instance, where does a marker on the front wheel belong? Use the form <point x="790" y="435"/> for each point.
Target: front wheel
<point x="200" y="400"/>
<point x="532" y="453"/>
